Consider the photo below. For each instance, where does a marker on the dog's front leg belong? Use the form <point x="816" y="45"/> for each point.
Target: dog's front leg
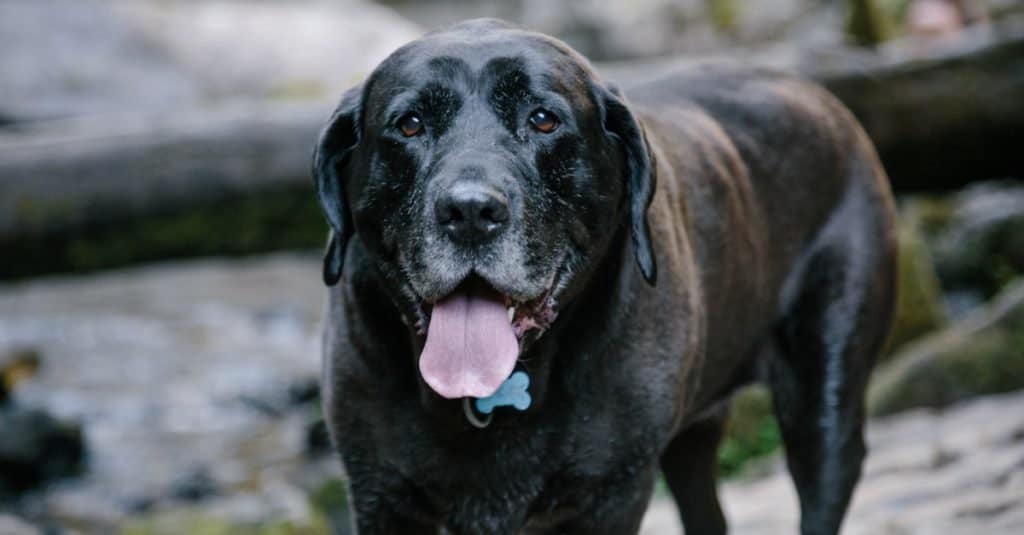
<point x="382" y="509"/>
<point x="616" y="508"/>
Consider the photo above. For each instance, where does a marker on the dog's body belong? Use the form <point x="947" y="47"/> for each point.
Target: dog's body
<point x="771" y="230"/>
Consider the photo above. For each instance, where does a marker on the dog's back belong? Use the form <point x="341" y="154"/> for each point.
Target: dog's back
<point x="753" y="164"/>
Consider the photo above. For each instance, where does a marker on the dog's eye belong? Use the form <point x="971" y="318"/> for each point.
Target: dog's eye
<point x="410" y="124"/>
<point x="543" y="121"/>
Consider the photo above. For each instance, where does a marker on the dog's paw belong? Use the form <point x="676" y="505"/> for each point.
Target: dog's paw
<point x="512" y="393"/>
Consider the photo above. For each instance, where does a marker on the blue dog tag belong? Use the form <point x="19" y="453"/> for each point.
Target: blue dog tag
<point x="512" y="393"/>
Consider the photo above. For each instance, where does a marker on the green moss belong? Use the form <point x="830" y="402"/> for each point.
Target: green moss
<point x="919" y="305"/>
<point x="931" y="215"/>
<point x="895" y="13"/>
<point x="751" y="432"/>
<point x="332" y="495"/>
<point x="723" y="14"/>
<point x="299" y="90"/>
<point x="33" y="213"/>
<point x="957" y="364"/>
<point x="867" y="23"/>
<point x="979" y="250"/>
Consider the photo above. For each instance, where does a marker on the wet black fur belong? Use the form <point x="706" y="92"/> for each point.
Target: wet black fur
<point x="754" y="202"/>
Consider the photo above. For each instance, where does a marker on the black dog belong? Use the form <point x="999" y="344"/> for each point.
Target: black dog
<point x="488" y="195"/>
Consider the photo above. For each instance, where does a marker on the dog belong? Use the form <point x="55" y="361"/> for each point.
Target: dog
<point x="542" y="293"/>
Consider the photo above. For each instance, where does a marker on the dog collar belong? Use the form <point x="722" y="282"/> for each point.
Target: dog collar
<point x="514" y="392"/>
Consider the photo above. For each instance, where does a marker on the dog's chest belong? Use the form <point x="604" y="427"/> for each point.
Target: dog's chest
<point x="514" y="480"/>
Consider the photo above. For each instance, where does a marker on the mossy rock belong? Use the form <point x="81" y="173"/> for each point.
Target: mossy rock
<point x="981" y="246"/>
<point x="751" y="431"/>
<point x="982" y="354"/>
<point x="919" y="305"/>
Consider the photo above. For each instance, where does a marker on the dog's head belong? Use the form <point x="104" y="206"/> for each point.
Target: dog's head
<point x="484" y="169"/>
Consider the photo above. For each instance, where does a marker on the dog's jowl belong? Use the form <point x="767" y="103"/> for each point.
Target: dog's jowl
<point x="544" y="289"/>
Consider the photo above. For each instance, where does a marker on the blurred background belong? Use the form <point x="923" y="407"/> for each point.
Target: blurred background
<point x="159" y="273"/>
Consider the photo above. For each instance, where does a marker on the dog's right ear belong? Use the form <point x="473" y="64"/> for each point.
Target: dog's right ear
<point x="330" y="157"/>
<point x="621" y="125"/>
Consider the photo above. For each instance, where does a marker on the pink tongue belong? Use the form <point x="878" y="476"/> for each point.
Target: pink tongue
<point x="471" y="348"/>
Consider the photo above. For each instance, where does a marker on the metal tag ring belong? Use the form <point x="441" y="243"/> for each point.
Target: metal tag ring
<point x="475" y="420"/>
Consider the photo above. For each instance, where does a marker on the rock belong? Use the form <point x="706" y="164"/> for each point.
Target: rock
<point x="919" y="305"/>
<point x="981" y="248"/>
<point x="36" y="448"/>
<point x="980" y="354"/>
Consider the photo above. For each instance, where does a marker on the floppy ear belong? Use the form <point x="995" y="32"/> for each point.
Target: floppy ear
<point x="337" y="140"/>
<point x="620" y="124"/>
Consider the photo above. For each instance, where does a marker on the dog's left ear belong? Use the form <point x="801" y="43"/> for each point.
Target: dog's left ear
<point x="330" y="157"/>
<point x="620" y="124"/>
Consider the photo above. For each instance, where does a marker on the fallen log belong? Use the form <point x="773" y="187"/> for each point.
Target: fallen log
<point x="90" y="194"/>
<point x="941" y="113"/>
<point x="94" y="193"/>
<point x="945" y="119"/>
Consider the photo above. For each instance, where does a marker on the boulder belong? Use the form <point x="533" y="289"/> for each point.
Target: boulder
<point x="919" y="305"/>
<point x="980" y="354"/>
<point x="981" y="247"/>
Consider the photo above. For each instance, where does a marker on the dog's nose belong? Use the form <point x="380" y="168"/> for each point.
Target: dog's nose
<point x="471" y="213"/>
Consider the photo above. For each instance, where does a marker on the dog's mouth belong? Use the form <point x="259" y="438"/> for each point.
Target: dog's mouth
<point x="474" y="335"/>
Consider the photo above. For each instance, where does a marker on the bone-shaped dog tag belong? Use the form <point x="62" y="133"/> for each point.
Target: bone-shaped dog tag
<point x="512" y="393"/>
